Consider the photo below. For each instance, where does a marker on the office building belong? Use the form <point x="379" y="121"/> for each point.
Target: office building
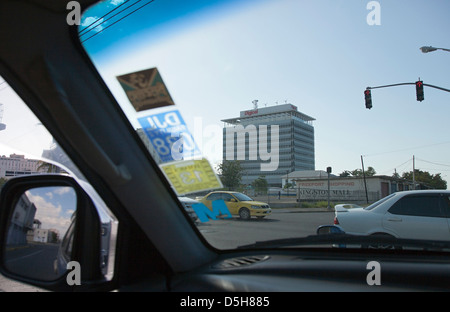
<point x="270" y="141"/>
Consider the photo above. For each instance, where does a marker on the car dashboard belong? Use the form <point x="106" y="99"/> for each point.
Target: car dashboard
<point x="330" y="270"/>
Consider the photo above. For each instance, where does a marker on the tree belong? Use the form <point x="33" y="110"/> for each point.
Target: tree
<point x="2" y="181"/>
<point x="49" y="168"/>
<point x="434" y="181"/>
<point x="288" y="185"/>
<point x="260" y="185"/>
<point x="231" y="173"/>
<point x="370" y="172"/>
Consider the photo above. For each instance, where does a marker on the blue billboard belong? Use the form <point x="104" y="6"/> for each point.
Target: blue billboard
<point x="169" y="136"/>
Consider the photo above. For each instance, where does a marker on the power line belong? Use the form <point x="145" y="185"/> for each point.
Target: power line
<point x="435" y="169"/>
<point x="100" y="31"/>
<point x="106" y="20"/>
<point x="434" y="163"/>
<point x="406" y="149"/>
<point x="398" y="166"/>
<point x="88" y="28"/>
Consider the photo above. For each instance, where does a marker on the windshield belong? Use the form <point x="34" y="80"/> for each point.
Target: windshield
<point x="303" y="105"/>
<point x="242" y="197"/>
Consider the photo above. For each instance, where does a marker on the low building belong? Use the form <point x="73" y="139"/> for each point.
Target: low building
<point x="21" y="221"/>
<point x="17" y="165"/>
<point x="41" y="235"/>
<point x="313" y="186"/>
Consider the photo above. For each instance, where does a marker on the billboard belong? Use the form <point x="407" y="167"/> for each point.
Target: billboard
<point x="169" y="136"/>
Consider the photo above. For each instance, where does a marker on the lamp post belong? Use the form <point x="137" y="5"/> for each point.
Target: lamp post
<point x="287" y="181"/>
<point x="328" y="195"/>
<point x="426" y="49"/>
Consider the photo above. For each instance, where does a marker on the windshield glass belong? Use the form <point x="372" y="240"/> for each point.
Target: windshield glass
<point x="303" y="105"/>
<point x="242" y="197"/>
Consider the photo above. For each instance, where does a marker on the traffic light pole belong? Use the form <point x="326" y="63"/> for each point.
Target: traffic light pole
<point x="407" y="83"/>
<point x="419" y="90"/>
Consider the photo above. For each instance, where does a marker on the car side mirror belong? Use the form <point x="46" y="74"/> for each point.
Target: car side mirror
<point x="329" y="229"/>
<point x="50" y="233"/>
<point x="233" y="200"/>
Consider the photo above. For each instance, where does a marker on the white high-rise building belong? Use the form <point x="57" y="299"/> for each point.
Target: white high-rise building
<point x="271" y="141"/>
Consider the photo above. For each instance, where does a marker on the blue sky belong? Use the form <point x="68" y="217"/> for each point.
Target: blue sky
<point x="216" y="57"/>
<point x="54" y="206"/>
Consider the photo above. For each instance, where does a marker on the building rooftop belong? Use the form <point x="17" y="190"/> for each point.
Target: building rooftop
<point x="307" y="174"/>
<point x="286" y="109"/>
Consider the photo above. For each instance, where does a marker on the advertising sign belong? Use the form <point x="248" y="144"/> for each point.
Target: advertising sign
<point x="191" y="176"/>
<point x="145" y="89"/>
<point x="169" y="135"/>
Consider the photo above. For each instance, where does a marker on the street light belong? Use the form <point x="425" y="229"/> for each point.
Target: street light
<point x="328" y="197"/>
<point x="425" y="49"/>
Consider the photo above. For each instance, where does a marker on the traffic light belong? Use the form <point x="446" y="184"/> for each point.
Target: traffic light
<point x="368" y="97"/>
<point x="419" y="91"/>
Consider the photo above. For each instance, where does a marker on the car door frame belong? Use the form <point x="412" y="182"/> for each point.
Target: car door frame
<point x="414" y="226"/>
<point x="233" y="206"/>
<point x="98" y="138"/>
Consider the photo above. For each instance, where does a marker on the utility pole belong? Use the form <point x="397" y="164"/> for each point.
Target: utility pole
<point x="364" y="177"/>
<point x="414" y="174"/>
<point x="328" y="197"/>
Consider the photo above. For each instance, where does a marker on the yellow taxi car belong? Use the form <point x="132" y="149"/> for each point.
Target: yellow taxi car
<point x="238" y="204"/>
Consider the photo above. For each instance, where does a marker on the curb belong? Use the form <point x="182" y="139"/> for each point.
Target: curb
<point x="301" y="210"/>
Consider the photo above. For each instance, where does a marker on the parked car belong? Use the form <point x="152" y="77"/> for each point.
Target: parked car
<point x="238" y="204"/>
<point x="346" y="206"/>
<point x="420" y="214"/>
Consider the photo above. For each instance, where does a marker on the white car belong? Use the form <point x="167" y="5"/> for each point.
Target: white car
<point x="409" y="214"/>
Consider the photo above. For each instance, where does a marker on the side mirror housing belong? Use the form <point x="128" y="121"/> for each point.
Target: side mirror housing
<point x="329" y="229"/>
<point x="51" y="235"/>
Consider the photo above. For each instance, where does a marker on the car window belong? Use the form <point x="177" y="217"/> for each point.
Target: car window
<point x="28" y="148"/>
<point x="214" y="196"/>
<point x="445" y="202"/>
<point x="227" y="197"/>
<point x="242" y="197"/>
<point x="424" y="206"/>
<point x="291" y="103"/>
<point x="67" y="241"/>
<point x="374" y="205"/>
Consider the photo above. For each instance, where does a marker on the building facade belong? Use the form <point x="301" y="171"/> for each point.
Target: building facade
<point x="21" y="222"/>
<point x="313" y="186"/>
<point x="16" y="165"/>
<point x="271" y="142"/>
